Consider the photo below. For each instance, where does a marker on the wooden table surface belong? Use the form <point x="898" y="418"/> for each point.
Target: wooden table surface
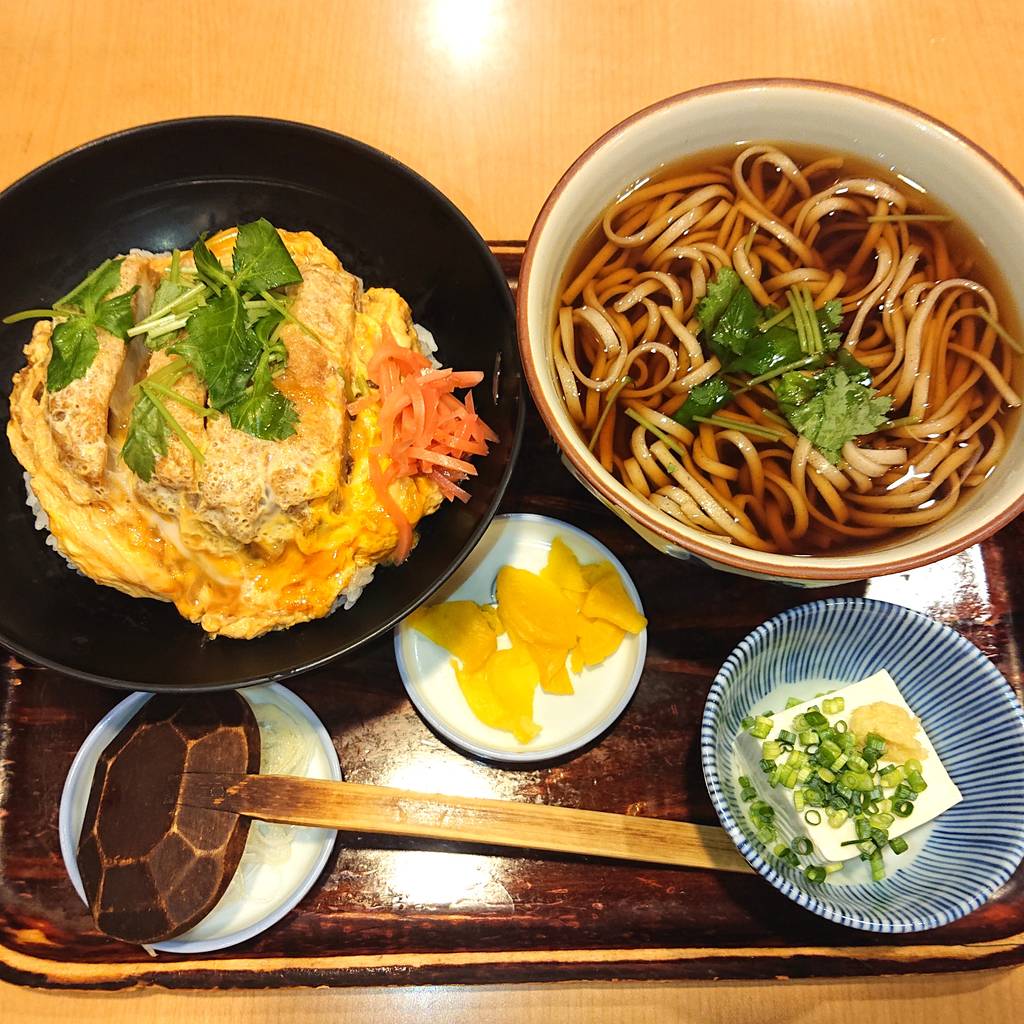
<point x="491" y="100"/>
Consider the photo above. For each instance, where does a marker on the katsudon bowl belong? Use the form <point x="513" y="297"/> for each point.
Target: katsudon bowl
<point x="157" y="188"/>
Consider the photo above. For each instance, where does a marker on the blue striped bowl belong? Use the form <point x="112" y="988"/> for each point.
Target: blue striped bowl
<point x="970" y="713"/>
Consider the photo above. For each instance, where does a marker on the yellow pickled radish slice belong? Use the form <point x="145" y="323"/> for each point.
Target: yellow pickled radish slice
<point x="594" y="571"/>
<point x="598" y="640"/>
<point x="607" y="599"/>
<point x="559" y="683"/>
<point x="535" y="609"/>
<point x="460" y="627"/>
<point x="563" y="569"/>
<point x="501" y="693"/>
<point x="550" y="661"/>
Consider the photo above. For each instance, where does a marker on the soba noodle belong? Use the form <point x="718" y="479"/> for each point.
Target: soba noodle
<point x="628" y="351"/>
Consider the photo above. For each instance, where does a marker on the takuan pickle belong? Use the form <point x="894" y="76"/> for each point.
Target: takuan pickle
<point x="568" y="611"/>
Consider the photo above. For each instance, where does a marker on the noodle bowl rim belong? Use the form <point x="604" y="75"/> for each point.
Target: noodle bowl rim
<point x="616" y="495"/>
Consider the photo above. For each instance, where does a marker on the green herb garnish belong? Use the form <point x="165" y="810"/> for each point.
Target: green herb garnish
<point x="152" y="423"/>
<point x="704" y="400"/>
<point x="262" y="410"/>
<point x="829" y="408"/>
<point x="823" y="392"/>
<point x="74" y="340"/>
<point x="231" y="341"/>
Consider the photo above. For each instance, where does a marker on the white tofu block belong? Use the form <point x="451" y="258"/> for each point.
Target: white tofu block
<point x="940" y="795"/>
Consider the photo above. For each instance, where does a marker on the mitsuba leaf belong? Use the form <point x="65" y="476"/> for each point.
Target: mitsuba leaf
<point x="767" y="350"/>
<point x="146" y="439"/>
<point x="829" y="409"/>
<point x="264" y="411"/>
<point x="221" y="347"/>
<point x="855" y="370"/>
<point x="208" y="266"/>
<point x="261" y="261"/>
<point x="168" y="291"/>
<point x="74" y="342"/>
<point x="87" y="295"/>
<point x="737" y="324"/>
<point x="830" y="316"/>
<point x="703" y="400"/>
<point x="115" y="315"/>
<point x="74" y="347"/>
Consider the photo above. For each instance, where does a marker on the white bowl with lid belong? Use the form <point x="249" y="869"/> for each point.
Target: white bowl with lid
<point x="267" y="892"/>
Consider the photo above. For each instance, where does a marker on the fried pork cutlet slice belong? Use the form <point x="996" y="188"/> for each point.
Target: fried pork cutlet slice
<point x="245" y="481"/>
<point x="77" y="414"/>
<point x="175" y="474"/>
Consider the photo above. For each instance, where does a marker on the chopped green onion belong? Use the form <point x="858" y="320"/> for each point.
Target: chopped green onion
<point x="858" y="781"/>
<point x="840" y="726"/>
<point x="800" y="723"/>
<point x="898" y="845"/>
<point x="812" y="817"/>
<point x="916" y="782"/>
<point x="791" y="702"/>
<point x="875" y="743"/>
<point x="833" y="705"/>
<point x="771" y="749"/>
<point x="837" y="818"/>
<point x="747" y="722"/>
<point x="766" y="764"/>
<point x="802" y="845"/>
<point x="903" y="809"/>
<point x="761" y="728"/>
<point x="877" y="867"/>
<point x="814" y="873"/>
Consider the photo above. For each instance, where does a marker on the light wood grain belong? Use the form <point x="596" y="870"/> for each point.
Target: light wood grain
<point x="490" y="99"/>
<point x="991" y="996"/>
<point x="382" y="810"/>
<point x="493" y="109"/>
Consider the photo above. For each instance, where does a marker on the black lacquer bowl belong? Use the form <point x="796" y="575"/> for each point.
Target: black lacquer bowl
<point x="157" y="187"/>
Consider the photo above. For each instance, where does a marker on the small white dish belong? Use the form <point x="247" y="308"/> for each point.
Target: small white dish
<point x="271" y="890"/>
<point x="567" y="722"/>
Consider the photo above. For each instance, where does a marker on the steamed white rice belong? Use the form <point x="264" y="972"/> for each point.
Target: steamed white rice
<point x="42" y="521"/>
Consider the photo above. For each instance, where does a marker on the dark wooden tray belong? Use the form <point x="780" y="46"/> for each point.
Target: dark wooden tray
<point x="402" y="912"/>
